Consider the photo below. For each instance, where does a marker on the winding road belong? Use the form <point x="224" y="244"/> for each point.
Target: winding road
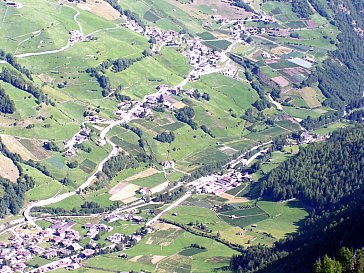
<point x="58" y="198"/>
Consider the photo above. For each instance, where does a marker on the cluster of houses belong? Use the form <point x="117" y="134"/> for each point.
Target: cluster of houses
<point x="63" y="241"/>
<point x="201" y="57"/>
<point x="163" y="97"/>
<point x="60" y="244"/>
<point x="126" y="240"/>
<point x="13" y="4"/>
<point x="95" y="229"/>
<point x="167" y="38"/>
<point x="132" y="25"/>
<point x="112" y="217"/>
<point x="76" y="37"/>
<point x="135" y="108"/>
<point x="95" y="119"/>
<point x="217" y="184"/>
<point x="80" y="137"/>
<point x="238" y="27"/>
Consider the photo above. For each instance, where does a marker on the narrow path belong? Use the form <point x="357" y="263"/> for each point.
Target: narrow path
<point x="276" y="103"/>
<point x="23" y="55"/>
<point x="75" y="17"/>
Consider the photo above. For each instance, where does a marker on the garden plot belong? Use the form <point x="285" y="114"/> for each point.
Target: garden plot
<point x="14" y="146"/>
<point x="35" y="147"/>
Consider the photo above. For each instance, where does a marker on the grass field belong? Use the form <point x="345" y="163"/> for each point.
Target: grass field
<point x="45" y="187"/>
<point x="150" y="181"/>
<point x="218" y="44"/>
<point x="284" y="218"/>
<point x="168" y="251"/>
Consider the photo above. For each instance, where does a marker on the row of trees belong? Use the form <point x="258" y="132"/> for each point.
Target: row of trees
<point x="131" y="15"/>
<point x="16" y="79"/>
<point x="185" y="115"/>
<point x="13" y="62"/>
<point x="165" y="137"/>
<point x="6" y="104"/>
<point x="243" y="5"/>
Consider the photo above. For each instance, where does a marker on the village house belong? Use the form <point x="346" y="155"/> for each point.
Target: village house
<point x="13" y="4"/>
<point x="87" y="253"/>
<point x="112" y="218"/>
<point x="144" y="191"/>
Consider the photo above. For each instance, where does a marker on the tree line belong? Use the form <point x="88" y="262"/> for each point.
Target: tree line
<point x="341" y="76"/>
<point x="335" y="219"/>
<point x="7" y="106"/>
<point x="17" y="80"/>
<point x="10" y="59"/>
<point x="322" y="174"/>
<point x="131" y="15"/>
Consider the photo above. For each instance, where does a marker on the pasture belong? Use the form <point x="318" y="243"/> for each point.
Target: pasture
<point x="168" y="250"/>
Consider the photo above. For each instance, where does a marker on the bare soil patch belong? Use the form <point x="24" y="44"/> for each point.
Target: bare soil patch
<point x="232" y="199"/>
<point x="8" y="169"/>
<point x="14" y="146"/>
<point x="36" y="148"/>
<point x="122" y="192"/>
<point x="136" y="258"/>
<point x="156" y="259"/>
<point x="100" y="8"/>
<point x="281" y="81"/>
<point x="280" y="50"/>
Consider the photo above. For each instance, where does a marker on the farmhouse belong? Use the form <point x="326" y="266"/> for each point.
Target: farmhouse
<point x="13" y="4"/>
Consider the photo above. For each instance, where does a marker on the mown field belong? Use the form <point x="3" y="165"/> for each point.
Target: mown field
<point x="168" y="251"/>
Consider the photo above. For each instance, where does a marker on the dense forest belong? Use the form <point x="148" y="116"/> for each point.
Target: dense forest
<point x="328" y="177"/>
<point x="6" y="104"/>
<point x="346" y="261"/>
<point x="341" y="77"/>
<point x="322" y="174"/>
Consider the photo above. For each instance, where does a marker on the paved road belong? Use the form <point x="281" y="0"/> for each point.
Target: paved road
<point x="236" y="161"/>
<point x="58" y="198"/>
<point x="172" y="206"/>
<point x="276" y="103"/>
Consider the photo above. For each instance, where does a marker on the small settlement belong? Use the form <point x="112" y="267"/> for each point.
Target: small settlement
<point x="61" y="241"/>
<point x="217" y="184"/>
